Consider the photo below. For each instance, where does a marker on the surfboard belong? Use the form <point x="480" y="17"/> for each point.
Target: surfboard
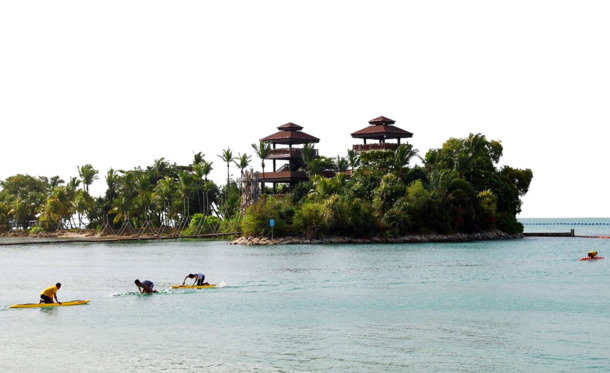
<point x="194" y="286"/>
<point x="43" y="305"/>
<point x="596" y="258"/>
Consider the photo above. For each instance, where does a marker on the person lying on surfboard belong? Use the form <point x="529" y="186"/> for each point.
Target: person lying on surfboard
<point x="145" y="286"/>
<point x="199" y="277"/>
<point x="47" y="294"/>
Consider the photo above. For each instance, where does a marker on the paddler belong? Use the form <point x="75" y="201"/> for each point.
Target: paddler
<point x="145" y="286"/>
<point x="592" y="254"/>
<point x="199" y="277"/>
<point x="49" y="293"/>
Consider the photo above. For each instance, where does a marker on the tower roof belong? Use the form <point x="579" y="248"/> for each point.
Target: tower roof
<point x="382" y="127"/>
<point x="290" y="133"/>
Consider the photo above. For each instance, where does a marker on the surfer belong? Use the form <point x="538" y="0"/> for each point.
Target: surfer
<point x="145" y="286"/>
<point x="592" y="254"/>
<point x="199" y="277"/>
<point x="47" y="294"/>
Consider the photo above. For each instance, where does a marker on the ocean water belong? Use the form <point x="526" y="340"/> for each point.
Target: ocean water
<point x="525" y="305"/>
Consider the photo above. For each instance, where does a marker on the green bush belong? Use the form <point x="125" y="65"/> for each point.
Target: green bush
<point x="36" y="230"/>
<point x="309" y="219"/>
<point x="256" y="222"/>
<point x="201" y="224"/>
<point x="508" y="223"/>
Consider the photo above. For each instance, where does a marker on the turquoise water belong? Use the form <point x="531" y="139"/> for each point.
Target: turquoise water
<point x="508" y="306"/>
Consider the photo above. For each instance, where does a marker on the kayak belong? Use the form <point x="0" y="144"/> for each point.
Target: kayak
<point x="43" y="305"/>
<point x="595" y="258"/>
<point x="194" y="286"/>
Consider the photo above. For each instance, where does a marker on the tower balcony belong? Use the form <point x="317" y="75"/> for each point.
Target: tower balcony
<point x="287" y="153"/>
<point x="380" y="146"/>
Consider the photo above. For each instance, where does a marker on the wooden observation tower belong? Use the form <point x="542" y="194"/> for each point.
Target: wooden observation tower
<point x="289" y="135"/>
<point x="380" y="129"/>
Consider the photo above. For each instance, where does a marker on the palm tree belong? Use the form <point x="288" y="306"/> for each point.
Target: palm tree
<point x="227" y="156"/>
<point x="163" y="193"/>
<point x="206" y="168"/>
<point x="185" y="181"/>
<point x="262" y="150"/>
<point x="198" y="158"/>
<point x="352" y="159"/>
<point x="243" y="161"/>
<point x="341" y="164"/>
<point x="158" y="169"/>
<point x="88" y="175"/>
<point x="55" y="181"/>
<point x="402" y="157"/>
<point x="308" y="153"/>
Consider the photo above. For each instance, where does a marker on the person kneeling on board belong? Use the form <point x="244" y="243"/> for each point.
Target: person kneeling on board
<point x="47" y="294"/>
<point x="199" y="277"/>
<point x="145" y="286"/>
<point x="592" y="254"/>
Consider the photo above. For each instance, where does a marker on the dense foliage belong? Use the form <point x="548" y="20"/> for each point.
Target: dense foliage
<point x="160" y="195"/>
<point x="458" y="188"/>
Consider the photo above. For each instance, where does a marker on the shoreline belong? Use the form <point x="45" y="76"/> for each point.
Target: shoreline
<point x="90" y="236"/>
<point x="416" y="238"/>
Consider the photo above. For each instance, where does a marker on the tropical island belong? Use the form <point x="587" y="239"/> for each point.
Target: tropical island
<point x="376" y="193"/>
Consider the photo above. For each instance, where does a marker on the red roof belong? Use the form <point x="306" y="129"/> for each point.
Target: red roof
<point x="290" y="127"/>
<point x="381" y="120"/>
<point x="290" y="133"/>
<point x="382" y="128"/>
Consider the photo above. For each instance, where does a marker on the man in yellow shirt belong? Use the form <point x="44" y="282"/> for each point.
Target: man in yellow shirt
<point x="47" y="294"/>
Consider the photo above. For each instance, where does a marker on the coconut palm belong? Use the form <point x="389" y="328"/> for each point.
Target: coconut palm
<point x="242" y="161"/>
<point x="88" y="175"/>
<point x="227" y="156"/>
<point x="352" y="159"/>
<point x="402" y="157"/>
<point x="162" y="196"/>
<point x="308" y="154"/>
<point x="198" y="158"/>
<point x="55" y="181"/>
<point x="206" y="168"/>
<point x="341" y="164"/>
<point x="262" y="150"/>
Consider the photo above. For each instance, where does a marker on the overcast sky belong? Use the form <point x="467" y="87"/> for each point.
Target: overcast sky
<point x="121" y="83"/>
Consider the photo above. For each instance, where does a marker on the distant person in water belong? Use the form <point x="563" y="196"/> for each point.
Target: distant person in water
<point x="145" y="286"/>
<point x="49" y="293"/>
<point x="592" y="254"/>
<point x="199" y="277"/>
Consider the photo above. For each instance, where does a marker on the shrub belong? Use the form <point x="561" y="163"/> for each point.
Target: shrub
<point x="256" y="222"/>
<point x="201" y="224"/>
<point x="36" y="230"/>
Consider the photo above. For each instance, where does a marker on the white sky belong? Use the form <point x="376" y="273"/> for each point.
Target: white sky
<point x="121" y="83"/>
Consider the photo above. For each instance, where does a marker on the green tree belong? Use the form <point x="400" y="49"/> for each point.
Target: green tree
<point x="242" y="162"/>
<point x="353" y="159"/>
<point x="227" y="157"/>
<point x="87" y="176"/>
<point x="262" y="150"/>
<point x="341" y="164"/>
<point x="25" y="198"/>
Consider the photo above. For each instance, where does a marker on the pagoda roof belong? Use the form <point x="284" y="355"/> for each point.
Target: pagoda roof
<point x="382" y="120"/>
<point x="290" y="127"/>
<point x="382" y="128"/>
<point x="290" y="133"/>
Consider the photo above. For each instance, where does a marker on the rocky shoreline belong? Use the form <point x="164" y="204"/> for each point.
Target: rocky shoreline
<point x="420" y="238"/>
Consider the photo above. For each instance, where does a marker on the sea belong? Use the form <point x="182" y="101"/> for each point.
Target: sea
<point x="523" y="305"/>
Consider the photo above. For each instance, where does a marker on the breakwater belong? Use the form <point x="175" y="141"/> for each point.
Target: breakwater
<point x="565" y="223"/>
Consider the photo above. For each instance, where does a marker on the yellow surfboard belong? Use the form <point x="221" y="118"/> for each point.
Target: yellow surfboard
<point x="43" y="305"/>
<point x="194" y="286"/>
